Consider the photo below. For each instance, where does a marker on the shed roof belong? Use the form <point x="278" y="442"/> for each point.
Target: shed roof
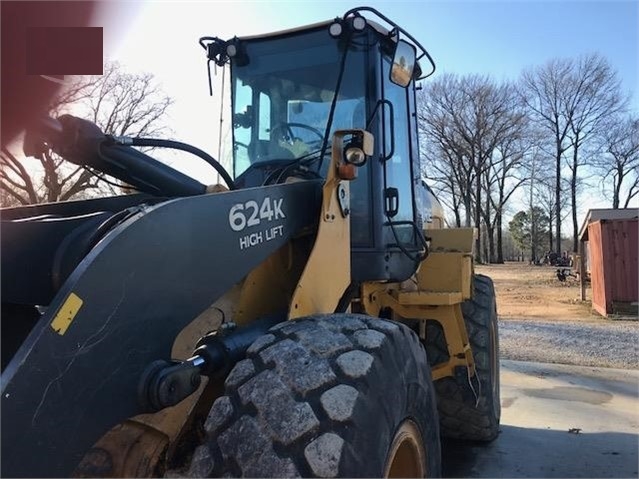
<point x="606" y="214"/>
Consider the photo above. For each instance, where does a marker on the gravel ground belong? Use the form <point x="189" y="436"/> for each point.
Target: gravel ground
<point x="612" y="344"/>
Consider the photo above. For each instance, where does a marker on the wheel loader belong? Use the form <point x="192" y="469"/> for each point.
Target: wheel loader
<point x="308" y="316"/>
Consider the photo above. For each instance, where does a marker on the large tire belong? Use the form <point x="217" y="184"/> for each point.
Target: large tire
<point x="470" y="409"/>
<point x="326" y="396"/>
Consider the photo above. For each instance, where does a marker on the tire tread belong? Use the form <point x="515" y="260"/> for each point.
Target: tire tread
<point x="290" y="424"/>
<point x="461" y="415"/>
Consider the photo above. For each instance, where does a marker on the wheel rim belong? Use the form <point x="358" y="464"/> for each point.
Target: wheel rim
<point x="407" y="457"/>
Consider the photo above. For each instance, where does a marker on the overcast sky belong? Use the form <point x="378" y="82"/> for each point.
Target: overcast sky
<point x="499" y="38"/>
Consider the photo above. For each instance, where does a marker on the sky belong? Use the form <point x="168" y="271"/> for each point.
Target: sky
<point x="498" y="38"/>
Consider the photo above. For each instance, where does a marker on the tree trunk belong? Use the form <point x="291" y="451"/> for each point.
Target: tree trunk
<point x="486" y="255"/>
<point x="500" y="243"/>
<point x="550" y="237"/>
<point x="491" y="244"/>
<point x="467" y="207"/>
<point x="531" y="206"/>
<point x="457" y="218"/>
<point x="575" y="226"/>
<point x="490" y="230"/>
<point x="533" y="236"/>
<point x="573" y="195"/>
<point x="478" y="216"/>
<point x="456" y="211"/>
<point x="617" y="188"/>
<point x="557" y="200"/>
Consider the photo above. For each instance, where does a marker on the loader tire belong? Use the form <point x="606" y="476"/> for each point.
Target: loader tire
<point x="341" y="395"/>
<point x="466" y="413"/>
<point x="435" y="345"/>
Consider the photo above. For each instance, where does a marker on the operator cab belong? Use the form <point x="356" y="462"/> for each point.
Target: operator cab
<point x="292" y="90"/>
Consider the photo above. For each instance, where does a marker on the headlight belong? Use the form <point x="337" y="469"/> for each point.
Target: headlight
<point x="231" y="50"/>
<point x="335" y="29"/>
<point x="354" y="155"/>
<point x="354" y="151"/>
<point x="359" y="23"/>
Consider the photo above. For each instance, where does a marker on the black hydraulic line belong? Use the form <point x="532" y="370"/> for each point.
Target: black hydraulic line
<point x="418" y="258"/>
<point x="83" y="143"/>
<point x="331" y="113"/>
<point x="143" y="172"/>
<point x="345" y="301"/>
<point x="178" y="145"/>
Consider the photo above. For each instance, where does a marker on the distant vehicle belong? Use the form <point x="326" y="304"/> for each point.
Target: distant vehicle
<point x="555" y="259"/>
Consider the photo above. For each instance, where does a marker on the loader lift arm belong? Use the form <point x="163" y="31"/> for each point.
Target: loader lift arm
<point x="93" y="337"/>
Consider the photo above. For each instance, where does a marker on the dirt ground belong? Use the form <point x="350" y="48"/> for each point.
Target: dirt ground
<point x="534" y="292"/>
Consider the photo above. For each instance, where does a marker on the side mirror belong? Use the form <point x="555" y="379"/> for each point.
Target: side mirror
<point x="403" y="64"/>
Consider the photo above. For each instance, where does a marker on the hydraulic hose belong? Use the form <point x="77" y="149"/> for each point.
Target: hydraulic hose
<point x="177" y="145"/>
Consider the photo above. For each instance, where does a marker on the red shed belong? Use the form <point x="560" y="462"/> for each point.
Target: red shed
<point x="612" y="254"/>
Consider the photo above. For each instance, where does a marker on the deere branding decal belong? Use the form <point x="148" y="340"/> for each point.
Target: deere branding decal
<point x="251" y="214"/>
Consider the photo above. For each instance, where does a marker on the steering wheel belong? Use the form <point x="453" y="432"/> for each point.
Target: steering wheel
<point x="286" y="129"/>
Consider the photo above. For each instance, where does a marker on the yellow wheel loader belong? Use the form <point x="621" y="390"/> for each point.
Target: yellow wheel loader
<point x="310" y="317"/>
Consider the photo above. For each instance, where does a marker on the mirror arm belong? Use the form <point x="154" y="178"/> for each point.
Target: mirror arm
<point x="397" y="27"/>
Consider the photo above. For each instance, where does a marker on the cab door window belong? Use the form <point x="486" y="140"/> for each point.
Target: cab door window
<point x="397" y="168"/>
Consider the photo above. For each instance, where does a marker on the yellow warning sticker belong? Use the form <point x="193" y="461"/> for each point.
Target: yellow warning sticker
<point x="66" y="314"/>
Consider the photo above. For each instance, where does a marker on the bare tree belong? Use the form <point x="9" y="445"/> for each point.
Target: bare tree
<point x="543" y="90"/>
<point x="119" y="103"/>
<point x="446" y="153"/>
<point x="506" y="171"/>
<point x="543" y="194"/>
<point x="437" y="165"/>
<point x="593" y="95"/>
<point x="505" y="176"/>
<point x="465" y="119"/>
<point x="619" y="160"/>
<point x="571" y="99"/>
<point x="127" y="104"/>
<point x="55" y="181"/>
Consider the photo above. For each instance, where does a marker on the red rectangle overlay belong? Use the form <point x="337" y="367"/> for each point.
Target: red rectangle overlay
<point x="64" y="50"/>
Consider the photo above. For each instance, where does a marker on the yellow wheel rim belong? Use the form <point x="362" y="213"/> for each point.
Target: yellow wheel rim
<point x="407" y="457"/>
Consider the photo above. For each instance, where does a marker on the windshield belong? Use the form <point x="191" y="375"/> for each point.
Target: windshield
<point x="282" y="98"/>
